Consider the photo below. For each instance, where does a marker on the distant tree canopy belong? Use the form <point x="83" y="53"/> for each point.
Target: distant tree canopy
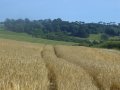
<point x="58" y="29"/>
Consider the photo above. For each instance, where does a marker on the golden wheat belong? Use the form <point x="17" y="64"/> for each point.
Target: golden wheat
<point x="102" y="65"/>
<point x="27" y="66"/>
<point x="67" y="75"/>
<point x="21" y="67"/>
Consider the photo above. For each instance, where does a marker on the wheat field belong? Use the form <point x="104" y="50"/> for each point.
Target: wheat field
<point x="28" y="66"/>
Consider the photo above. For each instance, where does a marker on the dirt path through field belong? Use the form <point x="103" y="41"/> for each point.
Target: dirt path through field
<point x="51" y="74"/>
<point x="64" y="75"/>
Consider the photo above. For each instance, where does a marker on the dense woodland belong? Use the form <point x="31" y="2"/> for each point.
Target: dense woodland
<point x="58" y="29"/>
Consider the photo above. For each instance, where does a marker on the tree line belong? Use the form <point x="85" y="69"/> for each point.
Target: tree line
<point x="58" y="29"/>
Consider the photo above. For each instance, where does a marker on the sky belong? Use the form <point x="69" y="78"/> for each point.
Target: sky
<point x="69" y="10"/>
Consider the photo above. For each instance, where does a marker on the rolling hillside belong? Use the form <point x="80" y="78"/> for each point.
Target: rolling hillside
<point x="28" y="38"/>
<point x="32" y="66"/>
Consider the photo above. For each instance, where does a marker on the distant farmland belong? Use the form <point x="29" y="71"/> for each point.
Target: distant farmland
<point x="28" y="66"/>
<point x="28" y="38"/>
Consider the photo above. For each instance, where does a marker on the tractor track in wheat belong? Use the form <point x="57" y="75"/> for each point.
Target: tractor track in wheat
<point x="51" y="74"/>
